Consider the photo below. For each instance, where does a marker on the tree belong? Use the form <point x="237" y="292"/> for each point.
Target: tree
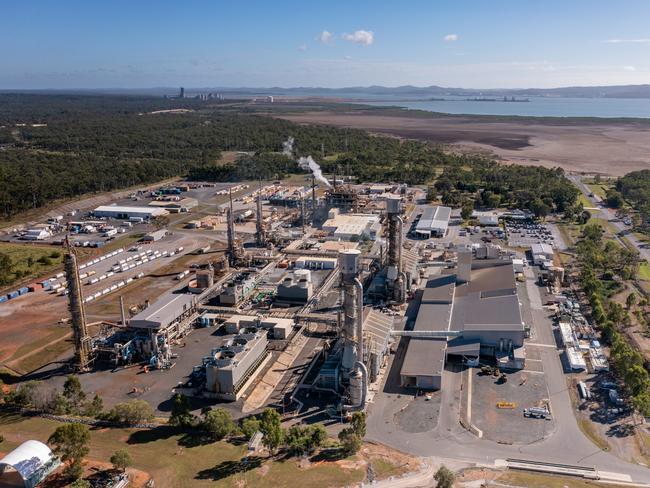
<point x="614" y="199"/>
<point x="80" y="483"/>
<point x="24" y="394"/>
<point x="630" y="301"/>
<point x="300" y="440"/>
<point x="70" y="443"/>
<point x="444" y="477"/>
<point x="218" y="423"/>
<point x="121" y="460"/>
<point x="271" y="427"/>
<point x="466" y="211"/>
<point x="181" y="415"/>
<point x="249" y="426"/>
<point x="6" y="267"/>
<point x="74" y="394"/>
<point x="358" y="423"/>
<point x="95" y="407"/>
<point x="132" y="412"/>
<point x="350" y="441"/>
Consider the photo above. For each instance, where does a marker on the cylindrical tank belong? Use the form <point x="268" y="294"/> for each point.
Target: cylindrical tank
<point x="302" y="274"/>
<point x="348" y="263"/>
<point x="356" y="386"/>
<point x="393" y="206"/>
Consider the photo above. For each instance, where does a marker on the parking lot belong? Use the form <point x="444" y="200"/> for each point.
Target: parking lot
<point x="524" y="234"/>
<point x="523" y="389"/>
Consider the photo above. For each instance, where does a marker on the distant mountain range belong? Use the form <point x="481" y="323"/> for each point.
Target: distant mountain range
<point x="615" y="91"/>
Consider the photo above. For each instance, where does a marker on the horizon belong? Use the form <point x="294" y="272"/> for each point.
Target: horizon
<point x="79" y="45"/>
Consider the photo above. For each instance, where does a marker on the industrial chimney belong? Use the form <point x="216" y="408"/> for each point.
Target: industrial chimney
<point x="396" y="278"/>
<point x="261" y="233"/>
<point x="353" y="368"/>
<point x="76" y="306"/>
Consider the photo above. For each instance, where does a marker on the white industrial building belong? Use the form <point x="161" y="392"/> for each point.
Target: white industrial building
<point x="315" y="262"/>
<point x="36" y="234"/>
<point x="27" y="465"/>
<point x="542" y="253"/>
<point x="433" y="222"/>
<point x="124" y="213"/>
<point x="352" y="226"/>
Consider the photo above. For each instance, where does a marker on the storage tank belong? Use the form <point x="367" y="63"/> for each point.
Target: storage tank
<point x="302" y="274"/>
<point x="356" y="386"/>
<point x="348" y="263"/>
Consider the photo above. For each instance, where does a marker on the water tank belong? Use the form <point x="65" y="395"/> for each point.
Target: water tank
<point x="302" y="274"/>
<point x="393" y="205"/>
<point x="204" y="279"/>
<point x="348" y="259"/>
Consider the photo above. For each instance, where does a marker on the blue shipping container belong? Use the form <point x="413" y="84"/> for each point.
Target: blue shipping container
<point x="3" y="298"/>
<point x="13" y="294"/>
<point x="23" y="290"/>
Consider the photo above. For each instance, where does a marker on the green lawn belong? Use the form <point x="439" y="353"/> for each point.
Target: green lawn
<point x="644" y="271"/>
<point x="599" y="189"/>
<point x="30" y="260"/>
<point x="174" y="460"/>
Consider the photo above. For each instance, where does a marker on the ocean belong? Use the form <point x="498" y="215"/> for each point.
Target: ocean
<point x="535" y="107"/>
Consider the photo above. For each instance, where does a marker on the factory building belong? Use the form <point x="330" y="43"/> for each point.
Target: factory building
<point x="352" y="226"/>
<point x="377" y="328"/>
<point x="434" y="222"/>
<point x="176" y="206"/>
<point x="231" y="367"/>
<point x="296" y="287"/>
<point x="237" y="290"/>
<point x="471" y="311"/>
<point x="36" y="234"/>
<point x="315" y="262"/>
<point x="155" y="235"/>
<point x="166" y="313"/>
<point x="126" y="213"/>
<point x="542" y="253"/>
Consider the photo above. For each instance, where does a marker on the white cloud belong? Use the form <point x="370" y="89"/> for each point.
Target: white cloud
<point x="348" y="57"/>
<point x="325" y="37"/>
<point x="302" y="47"/>
<point x="629" y="68"/>
<point x="360" y="37"/>
<point x="627" y="41"/>
<point x="450" y="38"/>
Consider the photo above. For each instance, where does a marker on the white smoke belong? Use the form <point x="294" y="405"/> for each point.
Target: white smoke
<point x="287" y="147"/>
<point x="308" y="163"/>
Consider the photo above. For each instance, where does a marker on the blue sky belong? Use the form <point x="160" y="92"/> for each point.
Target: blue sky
<point x="460" y="43"/>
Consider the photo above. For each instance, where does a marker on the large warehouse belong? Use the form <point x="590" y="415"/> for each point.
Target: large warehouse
<point x="121" y="212"/>
<point x="476" y="307"/>
<point x="433" y="222"/>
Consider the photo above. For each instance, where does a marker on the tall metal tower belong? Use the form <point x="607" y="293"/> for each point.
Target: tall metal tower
<point x="261" y="232"/>
<point x="233" y="251"/>
<point x="76" y="306"/>
<point x="395" y="271"/>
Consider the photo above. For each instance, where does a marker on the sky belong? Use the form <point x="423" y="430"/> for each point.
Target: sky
<point x="192" y="43"/>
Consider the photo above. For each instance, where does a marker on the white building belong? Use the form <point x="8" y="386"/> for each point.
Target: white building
<point x="352" y="226"/>
<point x="541" y="253"/>
<point x="37" y="234"/>
<point x="433" y="222"/>
<point x="125" y="213"/>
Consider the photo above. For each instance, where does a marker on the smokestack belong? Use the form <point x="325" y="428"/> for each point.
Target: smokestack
<point x="261" y="236"/>
<point x="232" y="251"/>
<point x="352" y="307"/>
<point x="122" y="315"/>
<point x="313" y="193"/>
<point x="77" y="312"/>
<point x="395" y="272"/>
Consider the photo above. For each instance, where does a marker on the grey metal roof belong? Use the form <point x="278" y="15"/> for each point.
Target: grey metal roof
<point x="434" y="218"/>
<point x="460" y="347"/>
<point x="377" y="327"/>
<point x="163" y="311"/>
<point x="433" y="316"/>
<point x="424" y="357"/>
<point x="472" y="312"/>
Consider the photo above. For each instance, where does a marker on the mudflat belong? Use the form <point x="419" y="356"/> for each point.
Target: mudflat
<point x="587" y="146"/>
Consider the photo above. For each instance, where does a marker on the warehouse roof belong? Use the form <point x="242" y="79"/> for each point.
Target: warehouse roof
<point x="377" y="326"/>
<point x="163" y="312"/>
<point x="424" y="357"/>
<point x="434" y="218"/>
<point x="541" y="248"/>
<point x="30" y="459"/>
<point x="130" y="210"/>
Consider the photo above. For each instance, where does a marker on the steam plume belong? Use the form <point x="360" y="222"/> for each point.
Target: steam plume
<point x="287" y="147"/>
<point x="308" y="163"/>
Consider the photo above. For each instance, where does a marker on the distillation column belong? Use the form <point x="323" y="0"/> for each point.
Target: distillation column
<point x="233" y="250"/>
<point x="396" y="278"/>
<point x="76" y="306"/>
<point x="353" y="369"/>
<point x="261" y="233"/>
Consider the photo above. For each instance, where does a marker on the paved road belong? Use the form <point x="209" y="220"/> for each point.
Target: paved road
<point x="610" y="215"/>
<point x="566" y="445"/>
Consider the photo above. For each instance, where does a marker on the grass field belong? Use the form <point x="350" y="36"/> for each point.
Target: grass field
<point x="599" y="189"/>
<point x="30" y="260"/>
<point x="644" y="271"/>
<point x="174" y="460"/>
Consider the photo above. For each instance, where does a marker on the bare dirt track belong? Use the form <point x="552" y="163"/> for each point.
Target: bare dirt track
<point x="589" y="146"/>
